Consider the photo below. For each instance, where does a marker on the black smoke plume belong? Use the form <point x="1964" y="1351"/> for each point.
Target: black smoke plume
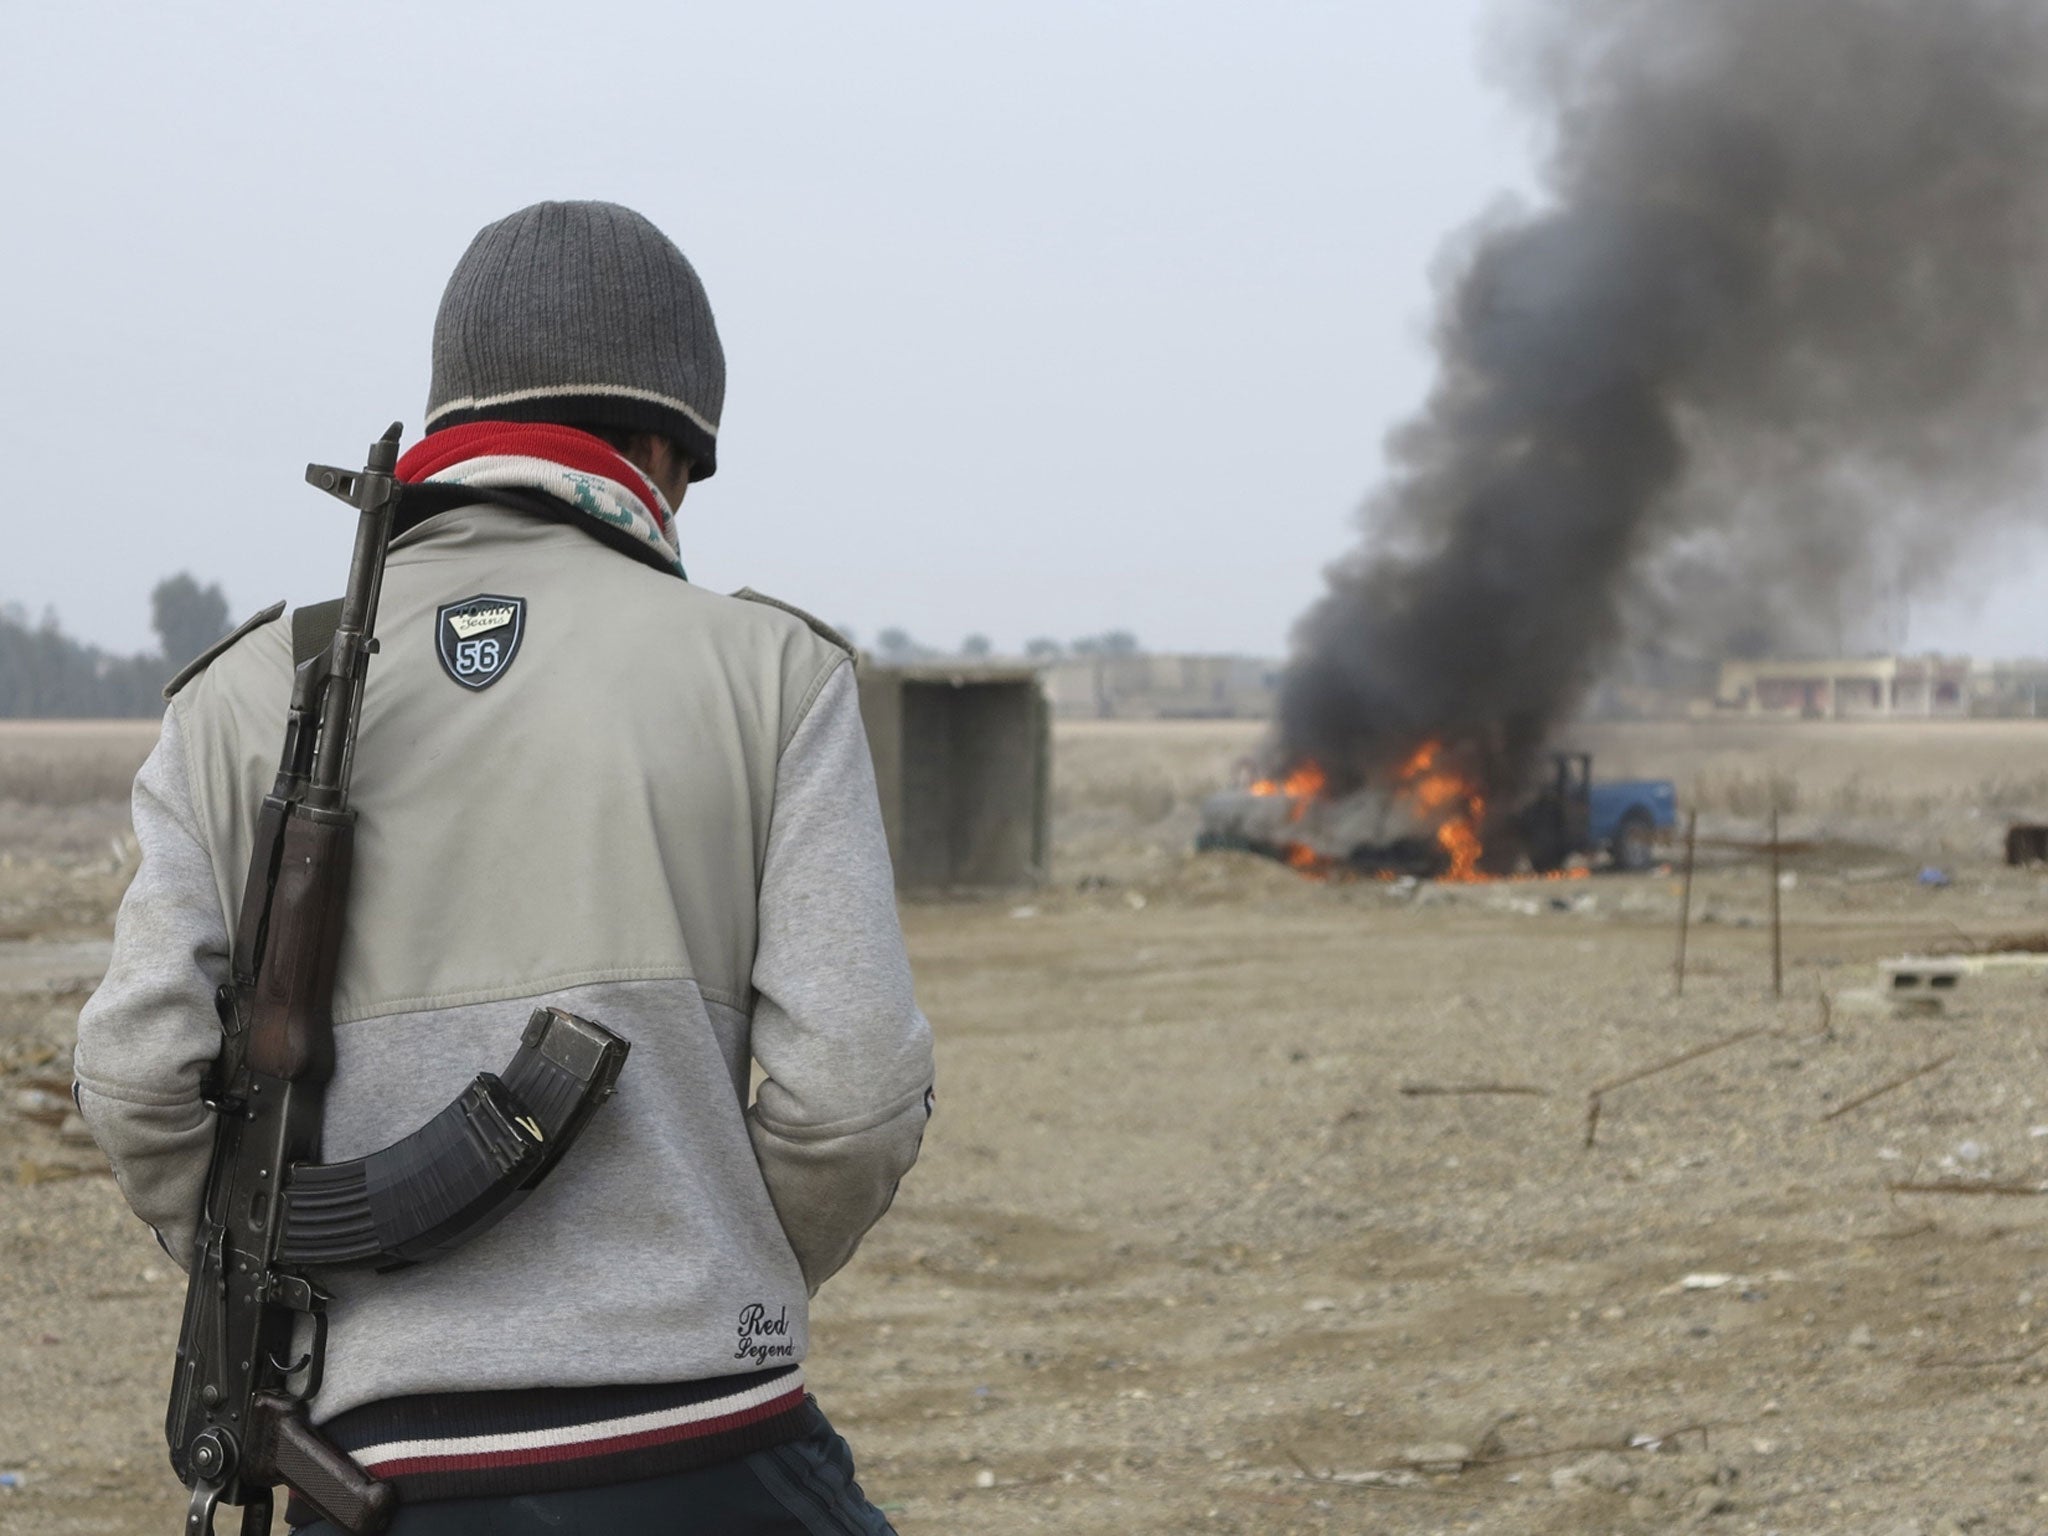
<point x="1775" y="347"/>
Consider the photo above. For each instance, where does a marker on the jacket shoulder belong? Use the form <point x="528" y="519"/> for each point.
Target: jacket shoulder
<point x="816" y="625"/>
<point x="220" y="647"/>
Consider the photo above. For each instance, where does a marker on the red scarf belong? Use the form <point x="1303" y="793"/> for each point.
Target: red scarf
<point x="584" y="472"/>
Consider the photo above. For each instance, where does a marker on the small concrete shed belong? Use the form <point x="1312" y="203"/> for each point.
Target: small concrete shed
<point x="963" y="761"/>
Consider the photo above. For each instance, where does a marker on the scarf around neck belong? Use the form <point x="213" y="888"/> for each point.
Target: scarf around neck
<point x="581" y="474"/>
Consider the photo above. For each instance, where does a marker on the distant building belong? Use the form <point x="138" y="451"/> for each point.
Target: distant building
<point x="2011" y="689"/>
<point x="1163" y="687"/>
<point x="1848" y="688"/>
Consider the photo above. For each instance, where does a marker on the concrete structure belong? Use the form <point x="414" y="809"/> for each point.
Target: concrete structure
<point x="1163" y="687"/>
<point x="2010" y="689"/>
<point x="963" y="761"/>
<point x="1867" y="687"/>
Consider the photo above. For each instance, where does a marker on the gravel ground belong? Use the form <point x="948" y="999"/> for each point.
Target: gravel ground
<point x="1186" y="1254"/>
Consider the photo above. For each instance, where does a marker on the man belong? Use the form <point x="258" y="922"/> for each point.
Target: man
<point x="580" y="781"/>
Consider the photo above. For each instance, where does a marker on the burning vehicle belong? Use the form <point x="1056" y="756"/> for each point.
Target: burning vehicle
<point x="1761" y="359"/>
<point x="1432" y="820"/>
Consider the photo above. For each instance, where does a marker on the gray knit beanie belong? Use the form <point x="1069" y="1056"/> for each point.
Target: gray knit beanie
<point x="582" y="314"/>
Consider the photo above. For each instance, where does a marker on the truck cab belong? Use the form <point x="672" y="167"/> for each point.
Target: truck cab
<point x="1576" y="815"/>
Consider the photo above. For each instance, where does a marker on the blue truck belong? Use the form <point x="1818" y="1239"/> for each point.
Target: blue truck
<point x="1575" y="815"/>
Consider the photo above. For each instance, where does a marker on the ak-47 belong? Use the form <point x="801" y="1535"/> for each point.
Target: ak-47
<point x="255" y="1328"/>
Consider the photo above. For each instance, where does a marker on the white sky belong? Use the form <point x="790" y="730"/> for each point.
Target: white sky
<point x="1041" y="318"/>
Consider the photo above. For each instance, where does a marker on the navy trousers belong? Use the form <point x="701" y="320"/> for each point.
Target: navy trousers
<point x="804" y="1488"/>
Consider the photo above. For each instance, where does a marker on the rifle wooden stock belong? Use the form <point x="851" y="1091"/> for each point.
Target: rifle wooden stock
<point x="291" y="1025"/>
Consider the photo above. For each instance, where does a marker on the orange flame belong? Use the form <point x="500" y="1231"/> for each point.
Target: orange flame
<point x="1443" y="795"/>
<point x="1301" y="787"/>
<point x="1455" y="804"/>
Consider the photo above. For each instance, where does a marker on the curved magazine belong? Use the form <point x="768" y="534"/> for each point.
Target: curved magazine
<point x="464" y="1169"/>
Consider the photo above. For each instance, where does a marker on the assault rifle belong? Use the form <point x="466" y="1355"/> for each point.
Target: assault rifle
<point x="255" y="1328"/>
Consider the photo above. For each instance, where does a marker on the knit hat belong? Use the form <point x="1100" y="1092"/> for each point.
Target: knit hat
<point x="583" y="314"/>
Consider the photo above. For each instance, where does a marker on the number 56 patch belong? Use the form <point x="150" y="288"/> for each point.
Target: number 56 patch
<point x="478" y="637"/>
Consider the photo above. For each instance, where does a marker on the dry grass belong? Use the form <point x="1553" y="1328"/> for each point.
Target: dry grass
<point x="1147" y="769"/>
<point x="71" y="762"/>
<point x="1842" y="771"/>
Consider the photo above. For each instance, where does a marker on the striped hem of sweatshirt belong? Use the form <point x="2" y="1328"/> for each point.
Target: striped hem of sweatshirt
<point x="462" y="1445"/>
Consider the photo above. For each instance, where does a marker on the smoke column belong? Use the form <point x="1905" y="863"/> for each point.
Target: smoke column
<point x="1775" y="345"/>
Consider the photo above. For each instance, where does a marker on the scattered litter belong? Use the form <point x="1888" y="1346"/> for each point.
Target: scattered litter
<point x="1446" y="1457"/>
<point x="1970" y="1152"/>
<point x="1935" y="879"/>
<point x="2026" y="844"/>
<point x="1860" y="1337"/>
<point x="1713" y="1280"/>
<point x="1376" y="1477"/>
<point x="1023" y="912"/>
<point x="2037" y="1132"/>
<point x="1319" y="1304"/>
<point x="10" y="1481"/>
<point x="1134" y="900"/>
<point x="1789" y="880"/>
<point x="984" y="1478"/>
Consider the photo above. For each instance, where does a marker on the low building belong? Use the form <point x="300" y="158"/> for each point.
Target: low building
<point x="2010" y="689"/>
<point x="1163" y="687"/>
<point x="1848" y="688"/>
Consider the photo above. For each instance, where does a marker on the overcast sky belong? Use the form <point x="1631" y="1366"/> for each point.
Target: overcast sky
<point x="1040" y="319"/>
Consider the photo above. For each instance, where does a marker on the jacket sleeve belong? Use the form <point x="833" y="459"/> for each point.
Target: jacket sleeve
<point x="847" y="1057"/>
<point x="148" y="1034"/>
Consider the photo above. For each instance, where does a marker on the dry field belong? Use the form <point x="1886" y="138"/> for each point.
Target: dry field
<point x="1187" y="1253"/>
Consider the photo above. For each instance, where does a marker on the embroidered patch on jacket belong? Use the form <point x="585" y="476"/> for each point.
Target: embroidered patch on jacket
<point x="477" y="638"/>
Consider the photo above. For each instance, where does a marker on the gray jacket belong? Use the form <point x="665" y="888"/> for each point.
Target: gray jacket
<point x="662" y="815"/>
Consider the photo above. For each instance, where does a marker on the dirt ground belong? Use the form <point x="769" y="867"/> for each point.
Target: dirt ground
<point x="1199" y="1243"/>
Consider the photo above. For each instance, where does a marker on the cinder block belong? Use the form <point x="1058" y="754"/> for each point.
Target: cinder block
<point x="1914" y="984"/>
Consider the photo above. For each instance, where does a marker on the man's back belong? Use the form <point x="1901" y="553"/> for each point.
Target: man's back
<point x="579" y="781"/>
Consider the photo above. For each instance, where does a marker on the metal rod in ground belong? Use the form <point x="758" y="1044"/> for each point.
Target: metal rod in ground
<point x="1777" y="923"/>
<point x="1598" y="1091"/>
<point x="1692" y="827"/>
<point x="2008" y="1191"/>
<point x="1886" y="1087"/>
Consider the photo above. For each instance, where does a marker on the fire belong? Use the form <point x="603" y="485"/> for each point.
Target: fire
<point x="1445" y="798"/>
<point x="1453" y="802"/>
<point x="1302" y="787"/>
